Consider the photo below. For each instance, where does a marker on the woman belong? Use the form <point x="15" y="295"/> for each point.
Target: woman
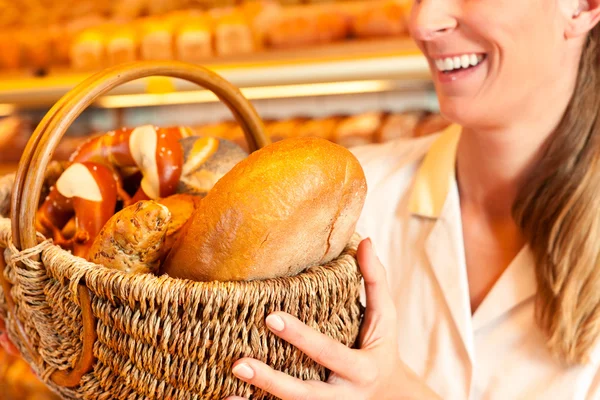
<point x="488" y="230"/>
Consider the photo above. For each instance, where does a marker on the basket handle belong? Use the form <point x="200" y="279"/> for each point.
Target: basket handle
<point x="30" y="175"/>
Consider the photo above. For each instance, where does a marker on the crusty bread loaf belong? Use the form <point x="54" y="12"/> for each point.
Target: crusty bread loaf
<point x="288" y="206"/>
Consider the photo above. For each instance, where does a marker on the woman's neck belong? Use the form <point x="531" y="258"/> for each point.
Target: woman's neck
<point x="492" y="165"/>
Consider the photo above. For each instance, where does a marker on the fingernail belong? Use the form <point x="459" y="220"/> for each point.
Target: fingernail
<point x="275" y="322"/>
<point x="243" y="371"/>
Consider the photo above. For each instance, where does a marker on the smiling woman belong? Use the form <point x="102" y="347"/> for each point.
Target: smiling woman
<point x="488" y="231"/>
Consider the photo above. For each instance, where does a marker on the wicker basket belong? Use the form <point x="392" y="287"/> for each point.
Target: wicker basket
<point x="94" y="333"/>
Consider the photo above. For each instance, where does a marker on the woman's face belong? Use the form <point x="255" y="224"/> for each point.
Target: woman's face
<point x="494" y="60"/>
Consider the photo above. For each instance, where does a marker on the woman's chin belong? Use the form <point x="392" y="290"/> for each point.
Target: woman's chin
<point x="462" y="112"/>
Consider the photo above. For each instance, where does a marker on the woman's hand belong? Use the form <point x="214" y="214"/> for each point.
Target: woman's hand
<point x="374" y="371"/>
<point x="5" y="342"/>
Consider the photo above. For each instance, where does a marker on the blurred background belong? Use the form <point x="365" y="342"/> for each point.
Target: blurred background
<point x="346" y="71"/>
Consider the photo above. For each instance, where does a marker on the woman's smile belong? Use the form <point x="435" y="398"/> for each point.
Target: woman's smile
<point x="451" y="68"/>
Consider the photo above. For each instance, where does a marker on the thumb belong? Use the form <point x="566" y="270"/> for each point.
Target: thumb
<point x="379" y="299"/>
<point x="380" y="317"/>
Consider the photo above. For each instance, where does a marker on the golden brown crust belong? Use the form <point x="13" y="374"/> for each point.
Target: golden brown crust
<point x="286" y="207"/>
<point x="132" y="240"/>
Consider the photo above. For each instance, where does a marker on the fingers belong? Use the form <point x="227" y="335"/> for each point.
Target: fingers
<point x="327" y="352"/>
<point x="379" y="299"/>
<point x="277" y="383"/>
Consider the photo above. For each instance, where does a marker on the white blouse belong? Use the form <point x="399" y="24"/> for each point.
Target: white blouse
<point x="412" y="214"/>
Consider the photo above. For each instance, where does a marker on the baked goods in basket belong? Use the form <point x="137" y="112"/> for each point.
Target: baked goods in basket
<point x="78" y="324"/>
<point x="289" y="206"/>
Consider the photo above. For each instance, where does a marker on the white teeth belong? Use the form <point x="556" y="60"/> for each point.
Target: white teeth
<point x="458" y="62"/>
<point x="448" y="64"/>
<point x="465" y="62"/>
<point x="474" y="60"/>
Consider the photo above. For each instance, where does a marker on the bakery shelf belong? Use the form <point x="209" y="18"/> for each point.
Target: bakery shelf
<point x="352" y="67"/>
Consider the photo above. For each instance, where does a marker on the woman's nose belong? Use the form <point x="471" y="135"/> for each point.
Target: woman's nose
<point x="431" y="19"/>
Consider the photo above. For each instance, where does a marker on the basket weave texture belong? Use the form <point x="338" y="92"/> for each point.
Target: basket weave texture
<point x="163" y="338"/>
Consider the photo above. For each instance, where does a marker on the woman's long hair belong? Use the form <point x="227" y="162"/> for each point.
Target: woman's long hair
<point x="558" y="210"/>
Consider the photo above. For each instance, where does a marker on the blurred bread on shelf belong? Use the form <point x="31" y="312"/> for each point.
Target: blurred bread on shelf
<point x="217" y="129"/>
<point x="37" y="47"/>
<point x="122" y="44"/>
<point x="194" y="38"/>
<point x="10" y="50"/>
<point x="156" y="39"/>
<point x="88" y="51"/>
<point x="261" y="15"/>
<point x="14" y="133"/>
<point x="233" y="34"/>
<point x="284" y="129"/>
<point x="359" y="129"/>
<point x="380" y="19"/>
<point x="320" y="127"/>
<point x="430" y="124"/>
<point x="399" y="125"/>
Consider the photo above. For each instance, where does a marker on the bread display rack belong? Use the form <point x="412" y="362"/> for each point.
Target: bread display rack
<point x="95" y="333"/>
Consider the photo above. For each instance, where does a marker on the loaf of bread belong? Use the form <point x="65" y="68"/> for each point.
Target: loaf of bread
<point x="289" y="206"/>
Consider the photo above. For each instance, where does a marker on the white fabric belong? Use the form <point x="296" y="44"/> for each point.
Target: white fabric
<point x="412" y="214"/>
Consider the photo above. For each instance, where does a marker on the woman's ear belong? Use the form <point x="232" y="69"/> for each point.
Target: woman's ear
<point x="583" y="19"/>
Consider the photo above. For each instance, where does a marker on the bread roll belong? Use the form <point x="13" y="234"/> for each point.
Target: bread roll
<point x="181" y="207"/>
<point x="133" y="239"/>
<point x="206" y="160"/>
<point x="289" y="206"/>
